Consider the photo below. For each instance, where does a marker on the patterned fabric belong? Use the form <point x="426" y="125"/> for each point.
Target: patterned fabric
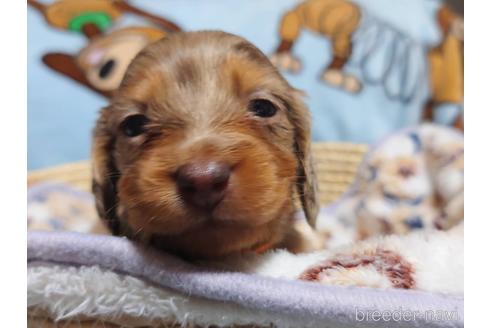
<point x="55" y="207"/>
<point x="412" y="180"/>
<point x="383" y="262"/>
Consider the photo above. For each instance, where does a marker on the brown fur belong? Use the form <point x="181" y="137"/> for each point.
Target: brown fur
<point x="195" y="89"/>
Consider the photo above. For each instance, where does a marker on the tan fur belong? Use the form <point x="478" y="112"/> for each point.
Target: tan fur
<point x="195" y="89"/>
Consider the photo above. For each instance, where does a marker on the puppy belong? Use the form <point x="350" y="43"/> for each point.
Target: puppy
<point x="204" y="149"/>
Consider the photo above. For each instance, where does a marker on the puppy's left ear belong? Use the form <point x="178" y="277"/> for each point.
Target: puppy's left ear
<point x="104" y="173"/>
<point x="307" y="186"/>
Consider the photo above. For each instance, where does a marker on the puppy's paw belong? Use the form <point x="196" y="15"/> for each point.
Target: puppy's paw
<point x="286" y="61"/>
<point x="302" y="238"/>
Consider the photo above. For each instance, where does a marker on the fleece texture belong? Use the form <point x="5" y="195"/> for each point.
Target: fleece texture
<point x="125" y="300"/>
<point x="311" y="303"/>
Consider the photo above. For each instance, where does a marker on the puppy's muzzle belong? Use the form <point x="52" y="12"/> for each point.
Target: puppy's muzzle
<point x="203" y="184"/>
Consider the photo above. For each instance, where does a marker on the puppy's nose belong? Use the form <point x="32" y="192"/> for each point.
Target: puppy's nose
<point x="203" y="184"/>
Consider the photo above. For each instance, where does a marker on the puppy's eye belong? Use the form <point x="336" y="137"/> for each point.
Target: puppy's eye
<point x="134" y="125"/>
<point x="262" y="108"/>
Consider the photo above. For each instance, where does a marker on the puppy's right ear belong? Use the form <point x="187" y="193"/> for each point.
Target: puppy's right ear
<point x="105" y="174"/>
<point x="307" y="187"/>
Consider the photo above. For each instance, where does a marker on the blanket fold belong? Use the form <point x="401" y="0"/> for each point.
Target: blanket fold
<point x="334" y="305"/>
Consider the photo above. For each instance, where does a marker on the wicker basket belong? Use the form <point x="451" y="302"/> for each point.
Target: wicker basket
<point x="336" y="164"/>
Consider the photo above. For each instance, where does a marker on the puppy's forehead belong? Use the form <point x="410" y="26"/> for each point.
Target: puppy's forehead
<point x="202" y="69"/>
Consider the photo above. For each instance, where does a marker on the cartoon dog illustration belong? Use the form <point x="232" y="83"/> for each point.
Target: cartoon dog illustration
<point x="446" y="65"/>
<point x="336" y="20"/>
<point x="339" y="20"/>
<point x="101" y="64"/>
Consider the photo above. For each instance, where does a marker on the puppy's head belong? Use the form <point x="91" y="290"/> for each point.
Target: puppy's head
<point x="203" y="148"/>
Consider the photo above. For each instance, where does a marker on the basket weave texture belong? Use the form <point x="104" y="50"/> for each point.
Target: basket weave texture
<point x="336" y="166"/>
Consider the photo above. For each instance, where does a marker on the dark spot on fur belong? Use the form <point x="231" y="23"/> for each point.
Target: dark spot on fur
<point x="186" y="72"/>
<point x="252" y="52"/>
<point x="237" y="85"/>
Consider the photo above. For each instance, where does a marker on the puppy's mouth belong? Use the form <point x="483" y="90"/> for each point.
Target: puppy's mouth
<point x="225" y="215"/>
<point x="200" y="217"/>
<point x="217" y="216"/>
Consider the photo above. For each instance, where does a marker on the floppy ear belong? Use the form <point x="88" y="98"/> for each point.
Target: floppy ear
<point x="67" y="65"/>
<point x="307" y="186"/>
<point x="104" y="173"/>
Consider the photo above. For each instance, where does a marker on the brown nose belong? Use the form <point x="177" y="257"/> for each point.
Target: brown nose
<point x="203" y="184"/>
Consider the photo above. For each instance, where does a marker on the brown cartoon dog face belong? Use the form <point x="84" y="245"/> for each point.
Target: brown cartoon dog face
<point x="101" y="64"/>
<point x="202" y="148"/>
<point x="104" y="61"/>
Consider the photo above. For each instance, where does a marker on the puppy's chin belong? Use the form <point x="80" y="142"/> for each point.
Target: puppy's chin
<point x="229" y="214"/>
<point x="217" y="237"/>
<point x="229" y="228"/>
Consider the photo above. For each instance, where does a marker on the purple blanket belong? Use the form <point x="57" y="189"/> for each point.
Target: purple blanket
<point x="333" y="306"/>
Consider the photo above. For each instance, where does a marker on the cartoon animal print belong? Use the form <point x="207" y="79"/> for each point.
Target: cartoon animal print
<point x="101" y="64"/>
<point x="336" y="20"/>
<point x="446" y="65"/>
<point x="340" y="21"/>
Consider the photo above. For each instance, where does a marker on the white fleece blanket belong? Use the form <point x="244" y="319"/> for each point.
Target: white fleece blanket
<point x="62" y="291"/>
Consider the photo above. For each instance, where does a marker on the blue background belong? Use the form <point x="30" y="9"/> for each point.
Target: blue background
<point x="61" y="113"/>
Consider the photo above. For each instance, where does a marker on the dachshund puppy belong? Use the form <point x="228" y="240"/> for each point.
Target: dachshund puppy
<point x="204" y="149"/>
